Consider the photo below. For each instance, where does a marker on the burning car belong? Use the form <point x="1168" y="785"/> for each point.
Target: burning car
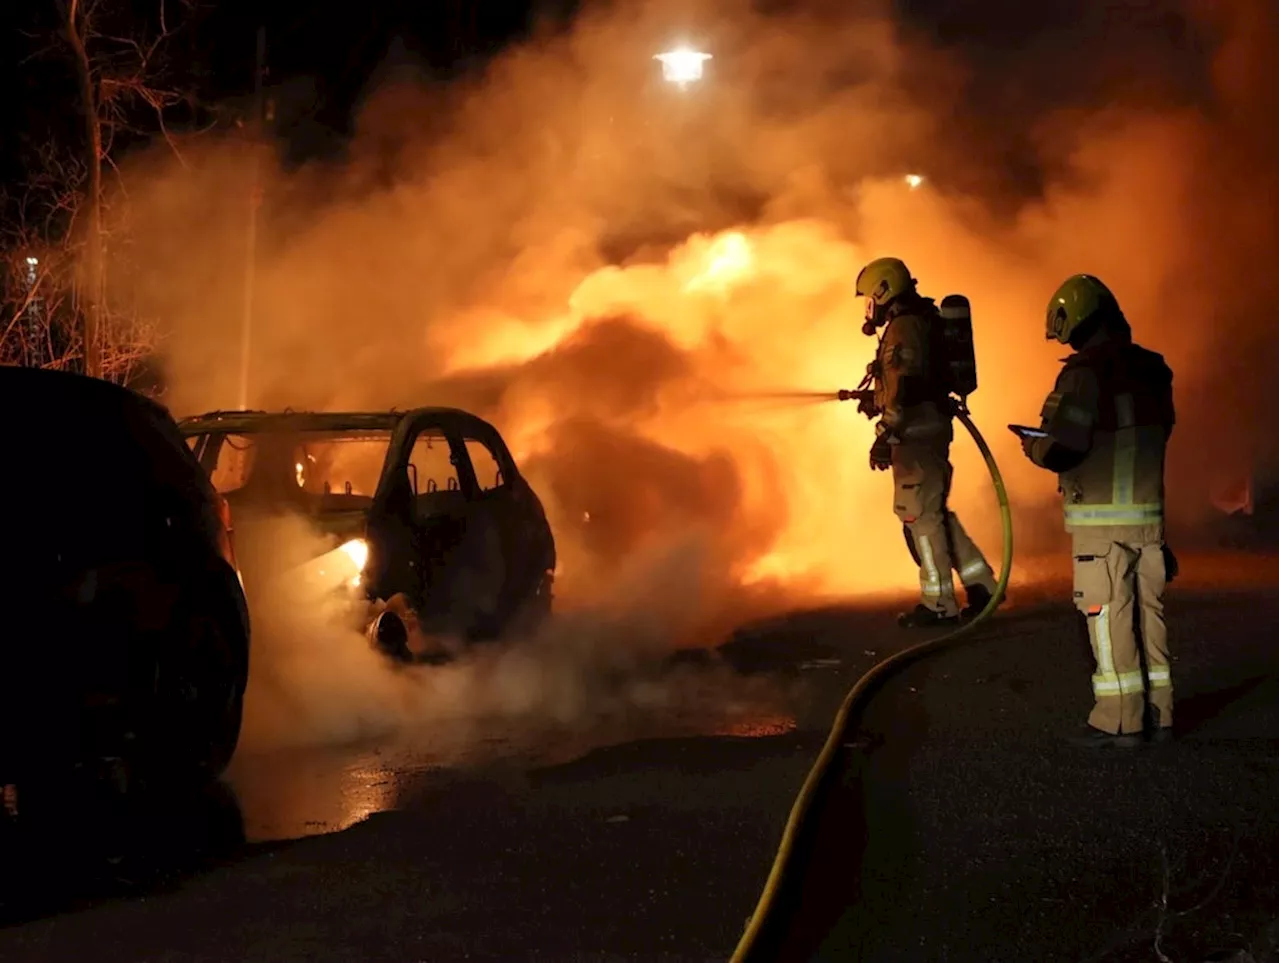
<point x="430" y="524"/>
<point x="124" y="658"/>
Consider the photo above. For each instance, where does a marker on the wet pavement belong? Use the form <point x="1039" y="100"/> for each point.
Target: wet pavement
<point x="962" y="827"/>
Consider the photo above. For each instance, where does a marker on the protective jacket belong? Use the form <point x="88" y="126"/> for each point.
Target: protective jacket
<point x="914" y="408"/>
<point x="1109" y="418"/>
<point x="907" y="389"/>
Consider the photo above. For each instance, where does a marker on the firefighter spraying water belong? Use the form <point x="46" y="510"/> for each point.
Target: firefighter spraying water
<point x="921" y="378"/>
<point x="928" y="361"/>
<point x="923" y="371"/>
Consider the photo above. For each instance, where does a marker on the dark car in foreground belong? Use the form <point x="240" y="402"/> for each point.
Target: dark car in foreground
<point x="124" y="645"/>
<point x="425" y="514"/>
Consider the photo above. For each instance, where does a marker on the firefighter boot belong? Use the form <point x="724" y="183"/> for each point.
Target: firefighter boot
<point x="1087" y="737"/>
<point x="923" y="617"/>
<point x="1154" y="731"/>
<point x="977" y="597"/>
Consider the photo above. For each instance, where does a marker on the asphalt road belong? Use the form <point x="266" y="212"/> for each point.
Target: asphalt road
<point x="961" y="827"/>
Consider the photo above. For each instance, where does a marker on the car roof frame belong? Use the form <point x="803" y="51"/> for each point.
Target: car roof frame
<point x="400" y="423"/>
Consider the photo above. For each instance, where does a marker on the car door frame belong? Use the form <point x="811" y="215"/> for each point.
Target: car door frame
<point x="385" y="517"/>
<point x="527" y="549"/>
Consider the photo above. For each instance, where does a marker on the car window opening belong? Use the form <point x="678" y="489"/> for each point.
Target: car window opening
<point x="329" y="470"/>
<point x="485" y="463"/>
<point x="432" y="466"/>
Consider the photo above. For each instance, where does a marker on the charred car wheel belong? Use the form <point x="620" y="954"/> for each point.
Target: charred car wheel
<point x="390" y="636"/>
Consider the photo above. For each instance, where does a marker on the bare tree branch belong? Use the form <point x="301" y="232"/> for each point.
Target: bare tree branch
<point x="61" y="234"/>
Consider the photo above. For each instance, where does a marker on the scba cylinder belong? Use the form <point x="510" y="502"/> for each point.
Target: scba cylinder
<point x="957" y="342"/>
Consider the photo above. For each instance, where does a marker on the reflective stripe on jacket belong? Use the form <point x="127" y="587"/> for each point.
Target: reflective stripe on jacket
<point x="1113" y="402"/>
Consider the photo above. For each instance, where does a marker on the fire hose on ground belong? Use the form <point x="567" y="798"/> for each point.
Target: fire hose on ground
<point x="858" y="696"/>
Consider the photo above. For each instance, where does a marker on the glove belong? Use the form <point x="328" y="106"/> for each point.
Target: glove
<point x="881" y="454"/>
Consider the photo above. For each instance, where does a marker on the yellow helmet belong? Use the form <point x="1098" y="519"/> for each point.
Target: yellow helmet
<point x="1077" y="299"/>
<point x="880" y="282"/>
<point x="883" y="279"/>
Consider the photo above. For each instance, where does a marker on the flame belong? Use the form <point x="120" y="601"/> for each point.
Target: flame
<point x="756" y="727"/>
<point x="726" y="261"/>
<point x="357" y="549"/>
<point x="751" y="309"/>
<point x="537" y="263"/>
<point x="775" y="565"/>
<point x="343" y="565"/>
<point x="698" y="302"/>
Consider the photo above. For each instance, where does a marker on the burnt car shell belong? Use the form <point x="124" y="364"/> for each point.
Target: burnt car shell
<point x="125" y="644"/>
<point x="473" y="552"/>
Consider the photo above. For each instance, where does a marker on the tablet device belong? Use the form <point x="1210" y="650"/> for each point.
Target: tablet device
<point x="1022" y="431"/>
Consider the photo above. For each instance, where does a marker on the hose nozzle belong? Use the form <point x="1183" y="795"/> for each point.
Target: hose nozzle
<point x="855" y="394"/>
<point x="865" y="398"/>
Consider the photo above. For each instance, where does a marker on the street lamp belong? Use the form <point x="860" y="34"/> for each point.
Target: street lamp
<point x="682" y="66"/>
<point x="914" y="180"/>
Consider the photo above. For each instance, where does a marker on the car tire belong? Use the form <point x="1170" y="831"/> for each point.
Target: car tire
<point x="390" y="636"/>
<point x="200" y="692"/>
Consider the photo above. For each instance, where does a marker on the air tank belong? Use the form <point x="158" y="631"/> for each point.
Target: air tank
<point x="957" y="341"/>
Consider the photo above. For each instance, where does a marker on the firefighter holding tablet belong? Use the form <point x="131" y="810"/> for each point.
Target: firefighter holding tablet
<point x="1104" y="429"/>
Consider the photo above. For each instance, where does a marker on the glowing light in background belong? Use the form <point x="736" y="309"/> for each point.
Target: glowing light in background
<point x="914" y="180"/>
<point x="728" y="260"/>
<point x="682" y="66"/>
<point x="358" y="551"/>
<point x="342" y="565"/>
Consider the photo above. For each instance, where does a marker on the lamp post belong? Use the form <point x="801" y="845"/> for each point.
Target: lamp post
<point x="255" y="199"/>
<point x="682" y="66"/>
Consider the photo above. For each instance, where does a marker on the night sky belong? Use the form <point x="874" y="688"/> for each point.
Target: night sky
<point x="325" y="62"/>
<point x="1026" y="57"/>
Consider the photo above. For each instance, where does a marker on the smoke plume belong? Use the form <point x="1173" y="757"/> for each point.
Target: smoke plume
<point x="600" y="262"/>
<point x="602" y="672"/>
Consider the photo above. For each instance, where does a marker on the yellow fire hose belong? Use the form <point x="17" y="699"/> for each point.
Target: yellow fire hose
<point x="855" y="700"/>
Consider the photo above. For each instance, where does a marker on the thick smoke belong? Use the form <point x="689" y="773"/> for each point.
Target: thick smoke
<point x="598" y="262"/>
<point x="602" y="672"/>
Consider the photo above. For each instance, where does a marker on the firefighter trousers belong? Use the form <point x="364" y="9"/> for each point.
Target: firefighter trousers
<point x="921" y="483"/>
<point x="1119" y="586"/>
